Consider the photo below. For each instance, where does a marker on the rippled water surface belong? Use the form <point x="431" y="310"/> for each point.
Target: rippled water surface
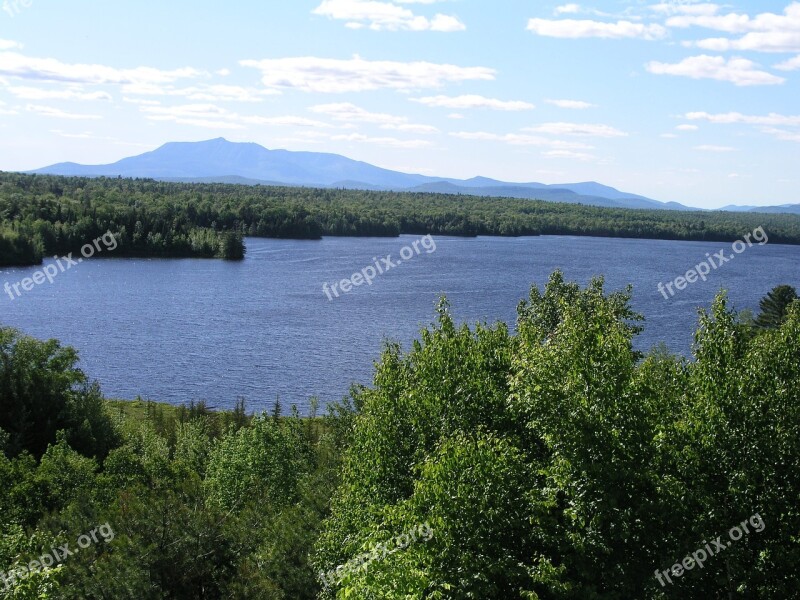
<point x="180" y="330"/>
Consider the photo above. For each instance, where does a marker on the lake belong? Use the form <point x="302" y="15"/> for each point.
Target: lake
<point x="181" y="330"/>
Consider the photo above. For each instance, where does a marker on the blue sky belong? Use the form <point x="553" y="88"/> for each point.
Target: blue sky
<point x="687" y="101"/>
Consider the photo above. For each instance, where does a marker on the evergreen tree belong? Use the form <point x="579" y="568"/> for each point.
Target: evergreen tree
<point x="774" y="306"/>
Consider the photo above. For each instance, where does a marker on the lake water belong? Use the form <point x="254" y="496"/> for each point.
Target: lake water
<point x="181" y="330"/>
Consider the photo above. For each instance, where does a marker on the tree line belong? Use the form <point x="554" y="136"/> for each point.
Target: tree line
<point x="42" y="215"/>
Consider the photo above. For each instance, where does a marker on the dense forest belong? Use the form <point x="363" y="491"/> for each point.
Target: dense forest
<point x="45" y="215"/>
<point x="552" y="463"/>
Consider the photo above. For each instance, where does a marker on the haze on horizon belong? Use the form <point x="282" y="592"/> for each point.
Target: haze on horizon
<point x="693" y="102"/>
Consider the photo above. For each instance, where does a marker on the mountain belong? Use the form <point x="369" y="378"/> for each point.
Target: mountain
<point x="219" y="160"/>
<point x="793" y="209"/>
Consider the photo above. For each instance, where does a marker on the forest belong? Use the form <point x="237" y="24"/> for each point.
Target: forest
<point x="550" y="461"/>
<point x="48" y="215"/>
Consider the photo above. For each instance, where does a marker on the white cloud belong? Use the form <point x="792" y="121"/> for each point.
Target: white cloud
<point x="32" y="93"/>
<point x="201" y="93"/>
<point x="385" y="16"/>
<point x="345" y="111"/>
<point x="381" y="141"/>
<point x="575" y="28"/>
<point x="6" y="111"/>
<point x="789" y="65"/>
<point x="141" y="101"/>
<point x="51" y="69"/>
<point x="682" y="8"/>
<point x="48" y="111"/>
<point x="782" y="134"/>
<point x="568" y="9"/>
<point x="8" y="44"/>
<point x="577" y="129"/>
<point x="455" y="116"/>
<point x="330" y="75"/>
<point x="766" y="32"/>
<point x="687" y="127"/>
<point x="712" y="148"/>
<point x="772" y="119"/>
<point x="77" y="136"/>
<point x="350" y="113"/>
<point x="568" y="154"/>
<point x="215" y="117"/>
<point x="518" y="139"/>
<point x="770" y="124"/>
<point x="412" y="128"/>
<point x="473" y="101"/>
<point x="739" y="71"/>
<point x="669" y="136"/>
<point x="755" y="42"/>
<point x="571" y="104"/>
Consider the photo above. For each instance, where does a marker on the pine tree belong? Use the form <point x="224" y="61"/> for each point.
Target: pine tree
<point x="774" y="306"/>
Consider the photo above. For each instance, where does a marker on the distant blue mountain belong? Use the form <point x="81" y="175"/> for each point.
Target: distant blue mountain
<point x="792" y="209"/>
<point x="222" y="161"/>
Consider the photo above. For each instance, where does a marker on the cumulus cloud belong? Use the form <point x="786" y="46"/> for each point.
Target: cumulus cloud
<point x="782" y="134"/>
<point x="739" y="71"/>
<point x="789" y="65"/>
<point x="345" y="111"/>
<point x="201" y="93"/>
<point x="32" y="93"/>
<point x="49" y="111"/>
<point x="568" y="154"/>
<point x="568" y="9"/>
<point x="385" y="16"/>
<point x="6" y="111"/>
<point x="772" y="119"/>
<point x="51" y="69"/>
<point x="686" y="127"/>
<point x="577" y="129"/>
<point x="350" y="113"/>
<point x="584" y="28"/>
<point x="473" y="101"/>
<point x="766" y="32"/>
<point x="211" y="116"/>
<point x="381" y="141"/>
<point x="519" y="139"/>
<point x="683" y="8"/>
<point x="571" y="104"/>
<point x="8" y="44"/>
<point x="330" y="75"/>
<point x="713" y="148"/>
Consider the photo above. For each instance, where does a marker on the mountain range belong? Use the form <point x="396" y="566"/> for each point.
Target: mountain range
<point x="221" y="161"/>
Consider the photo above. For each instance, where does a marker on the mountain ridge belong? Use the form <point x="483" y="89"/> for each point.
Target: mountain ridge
<point x="248" y="163"/>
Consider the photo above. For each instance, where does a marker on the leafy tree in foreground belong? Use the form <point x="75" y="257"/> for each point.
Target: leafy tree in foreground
<point x="560" y="463"/>
<point x="43" y="391"/>
<point x="554" y="463"/>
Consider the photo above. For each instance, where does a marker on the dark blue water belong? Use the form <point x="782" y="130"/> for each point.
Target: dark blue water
<point x="181" y="330"/>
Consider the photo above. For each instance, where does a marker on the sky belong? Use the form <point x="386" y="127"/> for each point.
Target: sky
<point x="684" y="101"/>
